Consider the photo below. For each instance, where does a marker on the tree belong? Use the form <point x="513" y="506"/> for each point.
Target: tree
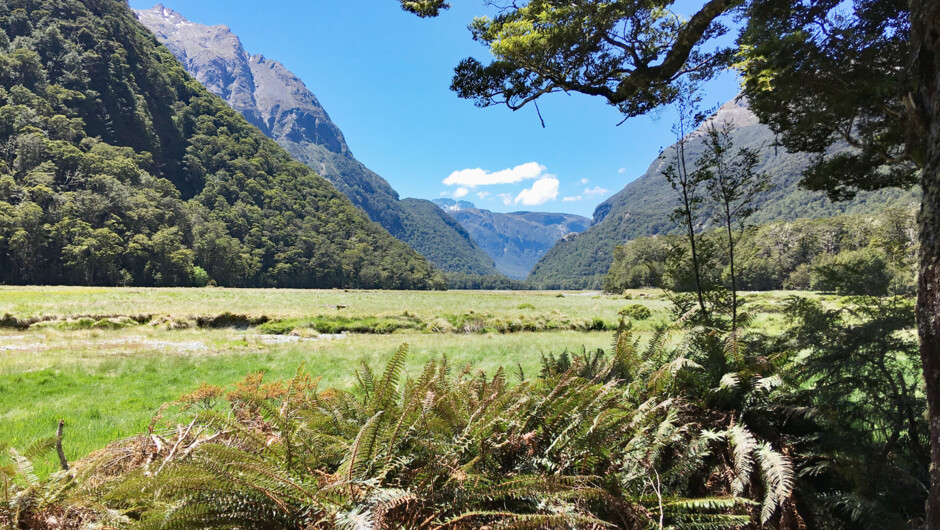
<point x="632" y="54"/>
<point x="629" y="53"/>
<point x="733" y="185"/>
<point x="925" y="137"/>
<point x="686" y="182"/>
<point x="847" y="88"/>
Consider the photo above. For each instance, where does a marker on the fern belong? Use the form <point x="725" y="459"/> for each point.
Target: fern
<point x="777" y="472"/>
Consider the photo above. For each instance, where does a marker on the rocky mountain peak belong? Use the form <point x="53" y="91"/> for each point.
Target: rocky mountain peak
<point x="450" y="205"/>
<point x="264" y="91"/>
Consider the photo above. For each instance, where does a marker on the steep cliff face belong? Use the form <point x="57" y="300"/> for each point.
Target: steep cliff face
<point x="262" y="90"/>
<point x="514" y="240"/>
<point x="275" y="100"/>
<point x="642" y="208"/>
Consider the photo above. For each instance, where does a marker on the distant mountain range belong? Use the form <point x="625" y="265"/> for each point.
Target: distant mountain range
<point x="642" y="208"/>
<point x="514" y="240"/>
<point x="277" y="102"/>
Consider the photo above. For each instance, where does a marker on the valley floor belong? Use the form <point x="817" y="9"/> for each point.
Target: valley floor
<point x="106" y="359"/>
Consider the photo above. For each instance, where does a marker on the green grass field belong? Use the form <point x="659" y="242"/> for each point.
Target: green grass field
<point x="107" y="375"/>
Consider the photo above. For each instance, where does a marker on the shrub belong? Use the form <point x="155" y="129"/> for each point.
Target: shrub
<point x="857" y="272"/>
<point x="636" y="312"/>
<point x="200" y="277"/>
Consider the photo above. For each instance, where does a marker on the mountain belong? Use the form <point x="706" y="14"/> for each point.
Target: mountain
<point x="450" y="205"/>
<point x="642" y="208"/>
<point x="118" y="168"/>
<point x="514" y="240"/>
<point x="277" y="102"/>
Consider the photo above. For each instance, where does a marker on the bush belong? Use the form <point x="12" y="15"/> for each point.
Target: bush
<point x="800" y="279"/>
<point x="857" y="272"/>
<point x="636" y="312"/>
<point x="200" y="277"/>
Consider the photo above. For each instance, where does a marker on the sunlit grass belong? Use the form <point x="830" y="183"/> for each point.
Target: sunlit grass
<point x="108" y="383"/>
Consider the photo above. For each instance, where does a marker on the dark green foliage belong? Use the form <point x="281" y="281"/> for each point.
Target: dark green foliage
<point x="824" y="254"/>
<point x="848" y="85"/>
<point x="117" y="168"/>
<point x="487" y="282"/>
<point x="861" y="373"/>
<point x="856" y="272"/>
<point x="639" y="263"/>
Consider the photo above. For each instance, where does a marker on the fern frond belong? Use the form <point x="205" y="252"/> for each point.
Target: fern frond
<point x="743" y="444"/>
<point x="361" y="449"/>
<point x="24" y="468"/>
<point x="387" y="386"/>
<point x="777" y="473"/>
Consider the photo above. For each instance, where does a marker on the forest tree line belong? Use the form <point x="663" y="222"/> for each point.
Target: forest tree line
<point x="118" y="168"/>
<point x="851" y="254"/>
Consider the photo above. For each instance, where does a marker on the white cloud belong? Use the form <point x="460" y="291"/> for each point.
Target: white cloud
<point x="461" y="192"/>
<point x="622" y="170"/>
<point x="584" y="181"/>
<point x="444" y="194"/>
<point x="596" y="190"/>
<point x="471" y="178"/>
<point x="571" y="199"/>
<point x="506" y="198"/>
<point x="483" y="194"/>
<point x="543" y="190"/>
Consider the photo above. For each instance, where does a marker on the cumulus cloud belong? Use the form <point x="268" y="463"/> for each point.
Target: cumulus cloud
<point x="596" y="190"/>
<point x="483" y="194"/>
<point x="471" y="178"/>
<point x="584" y="181"/>
<point x="506" y="198"/>
<point x="571" y="199"/>
<point x="461" y="192"/>
<point x="543" y="190"/>
<point x="622" y="170"/>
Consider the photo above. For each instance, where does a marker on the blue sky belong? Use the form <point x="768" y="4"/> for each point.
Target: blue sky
<point x="383" y="76"/>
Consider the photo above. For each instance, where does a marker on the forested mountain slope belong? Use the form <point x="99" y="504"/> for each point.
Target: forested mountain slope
<point x="642" y="208"/>
<point x="117" y="167"/>
<point x="514" y="240"/>
<point x="275" y="100"/>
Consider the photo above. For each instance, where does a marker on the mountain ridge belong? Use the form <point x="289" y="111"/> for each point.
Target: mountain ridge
<point x="643" y="206"/>
<point x="280" y="104"/>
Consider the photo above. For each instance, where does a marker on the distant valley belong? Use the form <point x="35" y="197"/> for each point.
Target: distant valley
<point x="514" y="240"/>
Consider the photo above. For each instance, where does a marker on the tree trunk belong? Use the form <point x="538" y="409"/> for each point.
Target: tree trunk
<point x="687" y="201"/>
<point x="925" y="40"/>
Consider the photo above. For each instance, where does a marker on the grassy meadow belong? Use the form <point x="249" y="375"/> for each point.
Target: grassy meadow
<point x="105" y="360"/>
